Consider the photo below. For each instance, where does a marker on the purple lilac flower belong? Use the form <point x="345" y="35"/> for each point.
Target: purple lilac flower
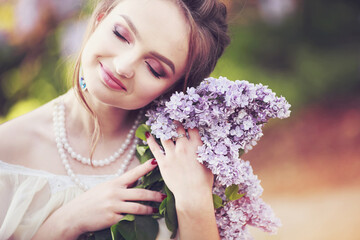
<point x="234" y="217"/>
<point x="230" y="116"/>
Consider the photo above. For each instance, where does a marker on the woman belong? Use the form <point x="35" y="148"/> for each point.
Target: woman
<point x="134" y="52"/>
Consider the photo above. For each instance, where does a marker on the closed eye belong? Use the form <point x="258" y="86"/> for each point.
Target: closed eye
<point x="156" y="74"/>
<point x="116" y="32"/>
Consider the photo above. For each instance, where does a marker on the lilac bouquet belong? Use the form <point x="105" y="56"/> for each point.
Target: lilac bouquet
<point x="230" y="116"/>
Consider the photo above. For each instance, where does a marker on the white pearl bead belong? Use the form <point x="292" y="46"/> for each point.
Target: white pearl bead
<point x="62" y="133"/>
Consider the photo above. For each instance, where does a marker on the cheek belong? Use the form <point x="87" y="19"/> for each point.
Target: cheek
<point x="89" y="53"/>
<point x="151" y="90"/>
<point x="99" y="43"/>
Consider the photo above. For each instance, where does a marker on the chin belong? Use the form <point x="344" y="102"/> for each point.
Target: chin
<point x="121" y="102"/>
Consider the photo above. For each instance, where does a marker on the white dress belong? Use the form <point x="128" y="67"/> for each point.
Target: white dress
<point x="29" y="196"/>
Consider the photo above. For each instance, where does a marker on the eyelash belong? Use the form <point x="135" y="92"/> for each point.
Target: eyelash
<point x="157" y="75"/>
<point x="119" y="35"/>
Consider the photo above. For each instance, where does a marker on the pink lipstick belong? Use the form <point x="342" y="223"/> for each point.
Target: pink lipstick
<point x="110" y="80"/>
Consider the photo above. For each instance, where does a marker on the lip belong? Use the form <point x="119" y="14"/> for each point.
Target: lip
<point x="110" y="80"/>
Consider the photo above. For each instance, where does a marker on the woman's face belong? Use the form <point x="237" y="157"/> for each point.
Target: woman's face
<point x="136" y="53"/>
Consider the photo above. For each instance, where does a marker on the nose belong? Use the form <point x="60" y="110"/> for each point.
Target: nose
<point x="125" y="66"/>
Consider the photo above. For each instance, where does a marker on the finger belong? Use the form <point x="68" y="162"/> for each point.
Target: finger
<point x="168" y="145"/>
<point x="194" y="135"/>
<point x="135" y="208"/>
<point x="137" y="194"/>
<point x="180" y="128"/>
<point x="181" y="133"/>
<point x="154" y="147"/>
<point x="137" y="172"/>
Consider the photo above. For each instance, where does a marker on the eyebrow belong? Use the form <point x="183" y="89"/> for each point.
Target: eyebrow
<point x="164" y="60"/>
<point x="155" y="54"/>
<point x="131" y="25"/>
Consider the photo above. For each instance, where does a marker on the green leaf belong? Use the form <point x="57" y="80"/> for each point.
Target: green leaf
<point x="145" y="157"/>
<point x="231" y="193"/>
<point x="173" y="235"/>
<point x="127" y="229"/>
<point x="162" y="207"/>
<point x="241" y="152"/>
<point x="141" y="130"/>
<point x="124" y="228"/>
<point x="218" y="202"/>
<point x="104" y="234"/>
<point x="115" y="234"/>
<point x="141" y="149"/>
<point x="146" y="227"/>
<point x="128" y="217"/>
<point x="170" y="213"/>
<point x="151" y="178"/>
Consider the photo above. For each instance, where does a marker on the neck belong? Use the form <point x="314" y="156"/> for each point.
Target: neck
<point x="113" y="121"/>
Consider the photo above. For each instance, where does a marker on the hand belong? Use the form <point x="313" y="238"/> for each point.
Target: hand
<point x="103" y="205"/>
<point x="190" y="182"/>
<point x="183" y="174"/>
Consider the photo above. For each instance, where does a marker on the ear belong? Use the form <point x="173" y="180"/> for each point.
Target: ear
<point x="99" y="18"/>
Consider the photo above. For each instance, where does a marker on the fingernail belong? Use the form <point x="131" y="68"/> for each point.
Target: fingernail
<point x="147" y="134"/>
<point x="155" y="210"/>
<point x="163" y="196"/>
<point x="154" y="162"/>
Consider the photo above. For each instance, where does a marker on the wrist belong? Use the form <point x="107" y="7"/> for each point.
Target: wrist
<point x="196" y="217"/>
<point x="196" y="202"/>
<point x="57" y="226"/>
<point x="68" y="228"/>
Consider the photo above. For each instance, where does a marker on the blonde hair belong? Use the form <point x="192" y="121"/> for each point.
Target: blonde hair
<point x="208" y="39"/>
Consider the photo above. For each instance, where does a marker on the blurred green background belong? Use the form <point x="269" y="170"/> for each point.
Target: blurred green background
<point x="305" y="50"/>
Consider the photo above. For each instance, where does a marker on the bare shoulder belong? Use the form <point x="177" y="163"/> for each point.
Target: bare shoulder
<point x="21" y="136"/>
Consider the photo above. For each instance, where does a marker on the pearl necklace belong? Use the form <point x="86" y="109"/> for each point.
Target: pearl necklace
<point x="60" y="138"/>
<point x="87" y="161"/>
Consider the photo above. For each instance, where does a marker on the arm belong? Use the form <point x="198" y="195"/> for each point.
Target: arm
<point x="100" y="207"/>
<point x="191" y="184"/>
<point x="196" y="218"/>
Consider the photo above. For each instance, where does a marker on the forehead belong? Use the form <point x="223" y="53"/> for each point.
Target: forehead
<point x="161" y="25"/>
